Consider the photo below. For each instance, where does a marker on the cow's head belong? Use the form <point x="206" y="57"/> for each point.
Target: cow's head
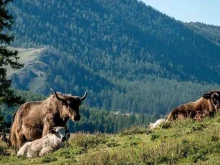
<point x="70" y="104"/>
<point x="61" y="132"/>
<point x="214" y="97"/>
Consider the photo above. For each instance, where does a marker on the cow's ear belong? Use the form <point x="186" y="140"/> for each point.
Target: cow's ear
<point x="207" y="96"/>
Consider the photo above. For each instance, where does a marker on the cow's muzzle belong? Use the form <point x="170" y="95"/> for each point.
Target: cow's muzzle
<point x="63" y="139"/>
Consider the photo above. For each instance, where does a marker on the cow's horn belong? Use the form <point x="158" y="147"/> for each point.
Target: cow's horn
<point x="56" y="95"/>
<point x="83" y="98"/>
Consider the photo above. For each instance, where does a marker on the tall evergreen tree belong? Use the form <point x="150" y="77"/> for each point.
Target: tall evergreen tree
<point x="8" y="58"/>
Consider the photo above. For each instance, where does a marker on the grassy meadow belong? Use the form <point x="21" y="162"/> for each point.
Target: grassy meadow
<point x="182" y="142"/>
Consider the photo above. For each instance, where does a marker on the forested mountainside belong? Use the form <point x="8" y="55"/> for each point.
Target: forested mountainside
<point x="209" y="31"/>
<point x="130" y="57"/>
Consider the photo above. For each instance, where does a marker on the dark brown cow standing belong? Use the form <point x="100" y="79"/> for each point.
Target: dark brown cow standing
<point x="33" y="120"/>
<point x="205" y="106"/>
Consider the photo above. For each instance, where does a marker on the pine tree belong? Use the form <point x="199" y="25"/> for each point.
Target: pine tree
<point x="8" y="58"/>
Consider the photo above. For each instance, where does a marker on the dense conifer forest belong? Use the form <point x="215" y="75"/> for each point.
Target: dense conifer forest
<point x="130" y="57"/>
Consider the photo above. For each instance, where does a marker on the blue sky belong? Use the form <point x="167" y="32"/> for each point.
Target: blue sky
<point x="206" y="11"/>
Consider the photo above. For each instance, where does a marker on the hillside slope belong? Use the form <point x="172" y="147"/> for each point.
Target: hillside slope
<point x="182" y="142"/>
<point x="27" y="57"/>
<point x="125" y="36"/>
<point x="37" y="75"/>
<point x="129" y="56"/>
<point x="33" y="67"/>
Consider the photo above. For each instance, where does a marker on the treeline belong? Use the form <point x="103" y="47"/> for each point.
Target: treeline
<point x="92" y="119"/>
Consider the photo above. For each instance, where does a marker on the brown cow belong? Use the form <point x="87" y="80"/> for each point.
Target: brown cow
<point x="205" y="106"/>
<point x="33" y="120"/>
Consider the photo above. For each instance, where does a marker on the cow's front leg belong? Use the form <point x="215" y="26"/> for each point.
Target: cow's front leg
<point x="48" y="124"/>
<point x="46" y="129"/>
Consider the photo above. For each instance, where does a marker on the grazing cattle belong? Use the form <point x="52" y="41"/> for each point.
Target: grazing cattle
<point x="156" y="124"/>
<point x="207" y="105"/>
<point x="47" y="144"/>
<point x="33" y="120"/>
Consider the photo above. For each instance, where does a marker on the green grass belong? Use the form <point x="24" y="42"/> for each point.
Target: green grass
<point x="183" y="142"/>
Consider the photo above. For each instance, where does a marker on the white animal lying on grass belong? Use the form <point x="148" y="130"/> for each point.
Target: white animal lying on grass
<point x="156" y="124"/>
<point x="47" y="144"/>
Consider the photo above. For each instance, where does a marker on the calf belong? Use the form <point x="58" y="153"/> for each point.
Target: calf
<point x="156" y="124"/>
<point x="207" y="105"/>
<point x="47" y="144"/>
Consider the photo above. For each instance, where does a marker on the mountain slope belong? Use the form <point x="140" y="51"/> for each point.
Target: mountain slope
<point x="33" y="67"/>
<point x="98" y="30"/>
<point x="27" y="56"/>
<point x="38" y="75"/>
<point x="129" y="56"/>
